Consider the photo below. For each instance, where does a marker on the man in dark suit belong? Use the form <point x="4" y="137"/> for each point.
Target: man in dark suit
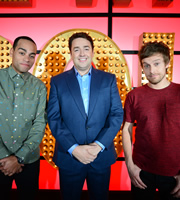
<point x="84" y="115"/>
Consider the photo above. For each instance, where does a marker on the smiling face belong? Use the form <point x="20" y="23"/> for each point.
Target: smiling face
<point x="82" y="54"/>
<point x="154" y="69"/>
<point x="23" y="56"/>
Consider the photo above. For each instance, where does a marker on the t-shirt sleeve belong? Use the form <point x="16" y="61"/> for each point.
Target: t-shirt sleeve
<point x="129" y="114"/>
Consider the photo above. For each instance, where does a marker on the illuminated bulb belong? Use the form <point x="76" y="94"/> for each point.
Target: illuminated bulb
<point x="122" y="83"/>
<point x="122" y="95"/>
<point x="45" y="153"/>
<point x="105" y="64"/>
<point x="163" y="36"/>
<point x="44" y="147"/>
<point x="51" y="147"/>
<point x="170" y="36"/>
<point x="45" y="141"/>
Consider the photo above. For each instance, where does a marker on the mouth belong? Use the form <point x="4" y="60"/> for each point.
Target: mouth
<point x="82" y="59"/>
<point x="25" y="65"/>
<point x="153" y="75"/>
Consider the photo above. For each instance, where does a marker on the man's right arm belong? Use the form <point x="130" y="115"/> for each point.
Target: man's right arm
<point x="62" y="134"/>
<point x="133" y="169"/>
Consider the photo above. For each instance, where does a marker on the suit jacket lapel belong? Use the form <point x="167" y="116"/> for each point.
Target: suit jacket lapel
<point x="74" y="88"/>
<point x="94" y="90"/>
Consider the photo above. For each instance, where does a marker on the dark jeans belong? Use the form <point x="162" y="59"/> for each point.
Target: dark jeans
<point x="27" y="182"/>
<point x="71" y="183"/>
<point x="164" y="184"/>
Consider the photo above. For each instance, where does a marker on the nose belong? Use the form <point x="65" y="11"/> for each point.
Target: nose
<point x="81" y="52"/>
<point x="152" y="69"/>
<point x="26" y="58"/>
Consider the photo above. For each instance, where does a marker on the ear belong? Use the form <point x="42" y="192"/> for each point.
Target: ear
<point x="11" y="52"/>
<point x="93" y="53"/>
<point x="167" y="65"/>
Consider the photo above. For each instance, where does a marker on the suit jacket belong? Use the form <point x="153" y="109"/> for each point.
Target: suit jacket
<point x="70" y="125"/>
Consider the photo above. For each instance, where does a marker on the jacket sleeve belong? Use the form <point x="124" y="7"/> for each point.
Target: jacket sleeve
<point x="114" y="119"/>
<point x="62" y="134"/>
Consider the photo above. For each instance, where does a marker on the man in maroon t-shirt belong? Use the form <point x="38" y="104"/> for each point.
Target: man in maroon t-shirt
<point x="155" y="161"/>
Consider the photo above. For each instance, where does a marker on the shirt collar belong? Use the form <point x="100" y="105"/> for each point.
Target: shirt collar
<point x="13" y="73"/>
<point x="77" y="73"/>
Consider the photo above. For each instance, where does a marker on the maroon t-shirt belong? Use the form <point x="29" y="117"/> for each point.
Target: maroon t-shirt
<point x="157" y="138"/>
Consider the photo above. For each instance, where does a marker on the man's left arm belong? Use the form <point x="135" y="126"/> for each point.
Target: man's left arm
<point x="114" y="119"/>
<point x="37" y="130"/>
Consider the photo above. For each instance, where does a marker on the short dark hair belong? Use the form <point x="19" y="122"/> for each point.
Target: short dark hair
<point x="151" y="48"/>
<point x="22" y="37"/>
<point x="80" y="35"/>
